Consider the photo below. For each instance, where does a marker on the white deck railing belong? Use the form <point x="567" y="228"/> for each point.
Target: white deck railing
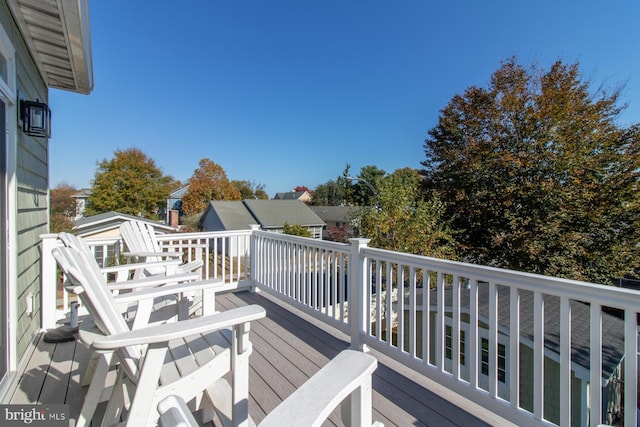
<point x="525" y="346"/>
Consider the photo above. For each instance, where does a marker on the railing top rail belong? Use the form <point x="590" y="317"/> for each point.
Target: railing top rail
<point x="322" y="244"/>
<point x="203" y="235"/>
<point x="606" y="295"/>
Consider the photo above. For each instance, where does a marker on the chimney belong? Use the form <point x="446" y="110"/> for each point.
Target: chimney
<point x="174" y="218"/>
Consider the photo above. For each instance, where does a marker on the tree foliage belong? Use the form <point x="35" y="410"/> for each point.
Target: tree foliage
<point x="62" y="200"/>
<point x="328" y="194"/>
<point x="404" y="220"/>
<point x="538" y="174"/>
<point x="250" y="189"/>
<point x="296" y="230"/>
<point x="62" y="208"/>
<point x="365" y="186"/>
<point x="208" y="182"/>
<point x="129" y="183"/>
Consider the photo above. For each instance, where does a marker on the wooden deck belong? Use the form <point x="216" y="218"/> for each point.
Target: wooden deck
<point x="288" y="349"/>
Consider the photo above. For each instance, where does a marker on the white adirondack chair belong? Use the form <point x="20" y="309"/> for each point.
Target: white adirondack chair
<point x="140" y="239"/>
<point x="142" y="310"/>
<point x="346" y="378"/>
<point x="184" y="358"/>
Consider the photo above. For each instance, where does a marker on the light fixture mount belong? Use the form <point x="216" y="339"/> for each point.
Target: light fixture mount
<point x="36" y="118"/>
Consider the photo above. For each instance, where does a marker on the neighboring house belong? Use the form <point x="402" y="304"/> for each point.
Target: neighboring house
<point x="270" y="215"/>
<point x="43" y="44"/>
<point x="613" y="339"/>
<point x="107" y="226"/>
<point x="174" y="204"/>
<point x="303" y="196"/>
<point x="335" y="216"/>
<point x="82" y="200"/>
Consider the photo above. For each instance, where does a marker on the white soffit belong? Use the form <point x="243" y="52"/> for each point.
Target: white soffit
<point x="57" y="33"/>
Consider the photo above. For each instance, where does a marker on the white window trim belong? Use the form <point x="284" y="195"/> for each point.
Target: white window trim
<point x="8" y="95"/>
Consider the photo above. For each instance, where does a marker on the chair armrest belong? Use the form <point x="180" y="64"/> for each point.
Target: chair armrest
<point x="174" y="330"/>
<point x="173" y="289"/>
<point x="150" y="254"/>
<point x="137" y="265"/>
<point x="150" y="281"/>
<point x="314" y="401"/>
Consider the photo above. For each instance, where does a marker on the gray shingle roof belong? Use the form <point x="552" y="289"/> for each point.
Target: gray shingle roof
<point x="234" y="215"/>
<point x="274" y="213"/>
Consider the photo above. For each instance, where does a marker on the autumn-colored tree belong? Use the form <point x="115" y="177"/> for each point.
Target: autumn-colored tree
<point x="539" y="175"/>
<point x="301" y="188"/>
<point x="129" y="183"/>
<point x="208" y="182"/>
<point x="250" y="190"/>
<point x="62" y="208"/>
<point x="403" y="220"/>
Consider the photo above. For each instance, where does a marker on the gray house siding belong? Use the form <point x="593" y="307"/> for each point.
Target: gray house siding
<point x="31" y="189"/>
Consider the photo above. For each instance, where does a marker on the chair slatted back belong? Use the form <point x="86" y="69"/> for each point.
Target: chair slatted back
<point x="83" y="271"/>
<point x="140" y="237"/>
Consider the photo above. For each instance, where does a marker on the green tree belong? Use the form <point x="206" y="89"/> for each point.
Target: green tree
<point x="364" y="188"/>
<point x="129" y="183"/>
<point x="62" y="208"/>
<point x="250" y="189"/>
<point x="539" y="175"/>
<point x="328" y="194"/>
<point x="208" y="182"/>
<point x="296" y="230"/>
<point x="403" y="220"/>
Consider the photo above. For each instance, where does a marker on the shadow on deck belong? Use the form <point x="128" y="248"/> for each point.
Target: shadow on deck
<point x="287" y="349"/>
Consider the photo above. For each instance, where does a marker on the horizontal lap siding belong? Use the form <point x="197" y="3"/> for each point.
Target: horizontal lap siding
<point x="32" y="184"/>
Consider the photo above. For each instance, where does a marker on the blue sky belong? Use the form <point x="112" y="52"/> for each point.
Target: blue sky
<point x="287" y="92"/>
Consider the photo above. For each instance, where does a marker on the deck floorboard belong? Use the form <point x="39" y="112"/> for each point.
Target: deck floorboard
<point x="288" y="348"/>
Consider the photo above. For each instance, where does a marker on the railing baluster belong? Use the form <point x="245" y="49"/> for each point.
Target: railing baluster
<point x="455" y="328"/>
<point x="473" y="334"/>
<point x="493" y="339"/>
<point x="565" y="361"/>
<point x="400" y="306"/>
<point x="538" y="355"/>
<point x="412" y="312"/>
<point x="426" y="317"/>
<point x="440" y="323"/>
<point x="514" y="345"/>
<point x="630" y="368"/>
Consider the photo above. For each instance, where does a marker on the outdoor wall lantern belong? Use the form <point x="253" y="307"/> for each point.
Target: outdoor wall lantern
<point x="36" y="118"/>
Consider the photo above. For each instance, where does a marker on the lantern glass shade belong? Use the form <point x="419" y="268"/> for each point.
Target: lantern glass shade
<point x="36" y="118"/>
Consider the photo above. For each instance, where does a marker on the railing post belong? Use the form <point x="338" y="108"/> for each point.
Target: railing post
<point x="357" y="293"/>
<point x="253" y="258"/>
<point x="48" y="298"/>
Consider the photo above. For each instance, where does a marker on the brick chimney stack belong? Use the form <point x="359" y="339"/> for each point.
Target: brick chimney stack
<point x="174" y="218"/>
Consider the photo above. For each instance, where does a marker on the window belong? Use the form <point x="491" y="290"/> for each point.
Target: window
<point x="502" y="360"/>
<point x="448" y="347"/>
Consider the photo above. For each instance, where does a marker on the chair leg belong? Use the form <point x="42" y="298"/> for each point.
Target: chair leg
<point x="356" y="409"/>
<point x="98" y="383"/>
<point x="143" y="410"/>
<point x="116" y="403"/>
<point x="240" y="351"/>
